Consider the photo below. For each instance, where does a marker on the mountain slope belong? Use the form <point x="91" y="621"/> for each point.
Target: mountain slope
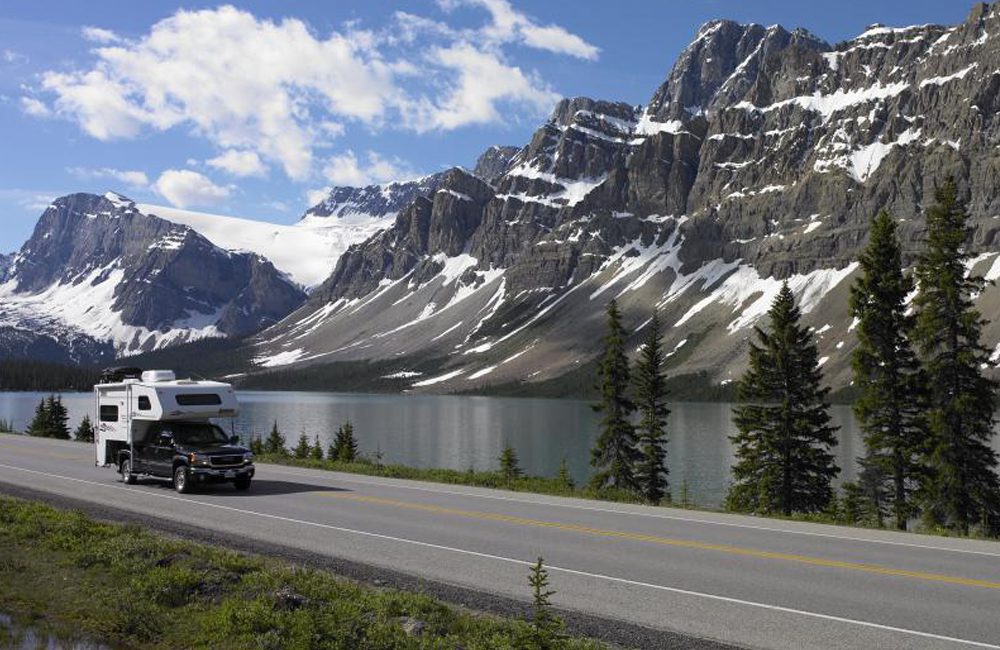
<point x="98" y="270"/>
<point x="761" y="158"/>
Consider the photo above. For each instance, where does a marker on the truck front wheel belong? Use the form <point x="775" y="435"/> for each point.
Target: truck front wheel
<point x="125" y="469"/>
<point x="182" y="482"/>
<point x="242" y="484"/>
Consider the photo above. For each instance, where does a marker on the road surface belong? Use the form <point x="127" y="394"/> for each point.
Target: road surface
<point x="748" y="581"/>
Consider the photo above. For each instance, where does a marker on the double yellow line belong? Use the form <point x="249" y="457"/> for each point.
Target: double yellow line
<point x="667" y="541"/>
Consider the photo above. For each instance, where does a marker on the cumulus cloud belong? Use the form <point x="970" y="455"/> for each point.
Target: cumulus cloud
<point x="509" y="25"/>
<point x="266" y="91"/>
<point x="239" y="163"/>
<point x="131" y="178"/>
<point x="185" y="188"/>
<point x="100" y="35"/>
<point x="346" y="169"/>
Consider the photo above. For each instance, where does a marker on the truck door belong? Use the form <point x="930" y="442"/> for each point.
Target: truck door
<point x="161" y="452"/>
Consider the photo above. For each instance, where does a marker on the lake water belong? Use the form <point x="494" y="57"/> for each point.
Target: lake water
<point x="459" y="432"/>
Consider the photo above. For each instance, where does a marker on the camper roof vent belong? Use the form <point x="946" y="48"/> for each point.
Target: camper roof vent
<point x="152" y="376"/>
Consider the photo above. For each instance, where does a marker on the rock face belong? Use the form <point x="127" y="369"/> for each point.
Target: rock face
<point x="99" y="270"/>
<point x="761" y="158"/>
<point x="373" y="200"/>
<point x="494" y="162"/>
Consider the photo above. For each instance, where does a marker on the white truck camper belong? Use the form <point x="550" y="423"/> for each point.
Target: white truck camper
<point x="152" y="424"/>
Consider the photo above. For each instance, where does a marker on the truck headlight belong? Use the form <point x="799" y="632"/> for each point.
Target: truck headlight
<point x="247" y="457"/>
<point x="198" y="459"/>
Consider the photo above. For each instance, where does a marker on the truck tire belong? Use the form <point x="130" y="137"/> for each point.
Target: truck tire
<point x="182" y="482"/>
<point x="125" y="469"/>
<point x="242" y="484"/>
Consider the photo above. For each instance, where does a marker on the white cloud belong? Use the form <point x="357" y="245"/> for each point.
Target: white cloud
<point x="132" y="178"/>
<point x="10" y="56"/>
<point x="509" y="25"/>
<point x="239" y="163"/>
<point x="482" y="81"/>
<point x="314" y="197"/>
<point x="184" y="188"/>
<point x="35" y="108"/>
<point x="100" y="35"/>
<point x="276" y="91"/>
<point x="345" y="169"/>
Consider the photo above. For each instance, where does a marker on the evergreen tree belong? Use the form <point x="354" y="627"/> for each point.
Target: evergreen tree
<point x="892" y="406"/>
<point x="58" y="418"/>
<point x="345" y="447"/>
<point x="275" y="443"/>
<point x="85" y="431"/>
<point x="509" y="467"/>
<point x="316" y="452"/>
<point x="651" y="396"/>
<point x="39" y="426"/>
<point x="303" y="448"/>
<point x="614" y="454"/>
<point x="256" y="445"/>
<point x="783" y="459"/>
<point x="963" y="487"/>
<point x="548" y="629"/>
<point x="564" y="477"/>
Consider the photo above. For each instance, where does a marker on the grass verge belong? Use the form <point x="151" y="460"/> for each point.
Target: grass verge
<point x="128" y="587"/>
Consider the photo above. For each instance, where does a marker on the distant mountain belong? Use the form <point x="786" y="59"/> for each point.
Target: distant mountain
<point x="494" y="162"/>
<point x="373" y="201"/>
<point x="761" y="158"/>
<point x="99" y="272"/>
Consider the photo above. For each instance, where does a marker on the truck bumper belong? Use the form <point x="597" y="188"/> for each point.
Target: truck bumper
<point x="218" y="475"/>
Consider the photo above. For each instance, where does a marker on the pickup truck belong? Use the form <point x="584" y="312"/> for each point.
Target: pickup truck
<point x="189" y="454"/>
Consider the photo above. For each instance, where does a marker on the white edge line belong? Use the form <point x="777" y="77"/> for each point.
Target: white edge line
<point x="349" y="478"/>
<point x="599" y="576"/>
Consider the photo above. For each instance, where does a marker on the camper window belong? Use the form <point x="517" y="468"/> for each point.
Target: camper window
<point x="109" y="413"/>
<point x="144" y="404"/>
<point x="199" y="399"/>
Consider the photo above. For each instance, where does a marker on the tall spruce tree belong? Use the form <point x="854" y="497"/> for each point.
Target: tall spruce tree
<point x="345" y="446"/>
<point x="651" y="396"/>
<point x="963" y="488"/>
<point x="275" y="442"/>
<point x="784" y="462"/>
<point x="891" y="408"/>
<point x="58" y="418"/>
<point x="85" y="431"/>
<point x="614" y="454"/>
<point x="39" y="426"/>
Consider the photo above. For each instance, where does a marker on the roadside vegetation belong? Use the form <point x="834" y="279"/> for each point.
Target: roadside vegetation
<point x="122" y="585"/>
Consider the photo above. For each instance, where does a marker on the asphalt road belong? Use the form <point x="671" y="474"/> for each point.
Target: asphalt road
<point x="741" y="580"/>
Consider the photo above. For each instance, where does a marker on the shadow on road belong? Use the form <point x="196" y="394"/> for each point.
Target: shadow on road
<point x="260" y="487"/>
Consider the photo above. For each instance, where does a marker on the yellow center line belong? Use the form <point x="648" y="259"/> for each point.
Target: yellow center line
<point x="668" y="541"/>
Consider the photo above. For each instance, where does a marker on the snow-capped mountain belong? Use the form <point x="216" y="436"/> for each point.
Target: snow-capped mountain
<point x="761" y="158"/>
<point x="101" y="274"/>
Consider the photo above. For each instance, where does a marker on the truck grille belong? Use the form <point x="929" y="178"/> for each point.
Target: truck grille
<point x="226" y="461"/>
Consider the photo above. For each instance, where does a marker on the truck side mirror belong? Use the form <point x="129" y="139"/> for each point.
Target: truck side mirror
<point x="166" y="438"/>
<point x="234" y="440"/>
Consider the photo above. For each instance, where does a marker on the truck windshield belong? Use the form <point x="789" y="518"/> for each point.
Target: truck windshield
<point x="196" y="433"/>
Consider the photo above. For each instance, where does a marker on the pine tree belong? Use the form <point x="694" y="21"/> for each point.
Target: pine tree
<point x="316" y="452"/>
<point x="614" y="454"/>
<point x="783" y="459"/>
<point x="275" y="443"/>
<point x="963" y="487"/>
<point x="547" y="628"/>
<point x="58" y="418"/>
<point x="303" y="448"/>
<point x="651" y="396"/>
<point x="509" y="467"/>
<point x="564" y="477"/>
<point x="256" y="445"/>
<point x="85" y="431"/>
<point x="345" y="447"/>
<point x="892" y="406"/>
<point x="39" y="426"/>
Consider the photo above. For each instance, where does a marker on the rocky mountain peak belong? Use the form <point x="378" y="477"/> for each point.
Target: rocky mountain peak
<point x="494" y="162"/>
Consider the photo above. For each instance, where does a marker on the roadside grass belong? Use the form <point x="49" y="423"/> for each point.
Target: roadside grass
<point x="125" y="586"/>
<point x="496" y="479"/>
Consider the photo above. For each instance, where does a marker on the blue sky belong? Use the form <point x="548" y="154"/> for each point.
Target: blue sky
<point x="252" y="109"/>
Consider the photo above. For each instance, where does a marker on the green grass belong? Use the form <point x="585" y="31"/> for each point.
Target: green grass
<point x="476" y="478"/>
<point x="128" y="587"/>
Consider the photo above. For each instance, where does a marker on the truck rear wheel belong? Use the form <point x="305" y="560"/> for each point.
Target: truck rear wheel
<point x="125" y="469"/>
<point x="182" y="482"/>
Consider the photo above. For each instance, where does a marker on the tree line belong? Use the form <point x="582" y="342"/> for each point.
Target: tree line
<point x="23" y="374"/>
<point x="51" y="420"/>
<point x="925" y="406"/>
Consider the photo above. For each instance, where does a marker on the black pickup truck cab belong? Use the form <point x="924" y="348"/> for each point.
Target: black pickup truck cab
<point x="189" y="454"/>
